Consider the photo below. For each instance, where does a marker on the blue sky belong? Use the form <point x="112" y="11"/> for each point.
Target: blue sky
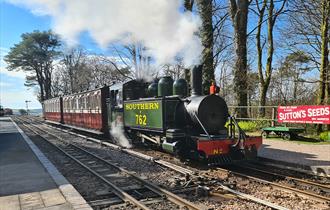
<point x="13" y="22"/>
<point x="164" y="30"/>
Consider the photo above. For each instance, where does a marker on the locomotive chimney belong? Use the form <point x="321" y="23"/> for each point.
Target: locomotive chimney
<point x="196" y="80"/>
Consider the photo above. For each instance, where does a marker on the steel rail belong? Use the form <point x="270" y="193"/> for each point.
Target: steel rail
<point x="160" y="191"/>
<point x="120" y="193"/>
<point x="324" y="187"/>
<point x="171" y="166"/>
<point x="166" y="164"/>
<point x="305" y="194"/>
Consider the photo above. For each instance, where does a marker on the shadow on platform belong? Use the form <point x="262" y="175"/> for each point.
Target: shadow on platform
<point x="297" y="159"/>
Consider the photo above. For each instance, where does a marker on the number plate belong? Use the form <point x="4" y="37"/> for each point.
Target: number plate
<point x="143" y="114"/>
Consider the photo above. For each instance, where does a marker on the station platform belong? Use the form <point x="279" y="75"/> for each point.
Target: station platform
<point x="28" y="180"/>
<point x="314" y="159"/>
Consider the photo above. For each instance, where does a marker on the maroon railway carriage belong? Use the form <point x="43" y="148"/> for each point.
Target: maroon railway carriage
<point x="87" y="109"/>
<point x="53" y="109"/>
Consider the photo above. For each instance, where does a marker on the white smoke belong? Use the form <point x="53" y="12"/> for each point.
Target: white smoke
<point x="158" y="24"/>
<point x="118" y="133"/>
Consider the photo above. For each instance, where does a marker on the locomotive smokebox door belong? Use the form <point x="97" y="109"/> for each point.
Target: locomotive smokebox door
<point x="211" y="111"/>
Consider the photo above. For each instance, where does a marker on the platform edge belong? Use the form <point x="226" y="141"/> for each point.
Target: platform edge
<point x="67" y="189"/>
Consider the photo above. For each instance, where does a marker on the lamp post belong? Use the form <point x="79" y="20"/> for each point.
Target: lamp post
<point x="27" y="107"/>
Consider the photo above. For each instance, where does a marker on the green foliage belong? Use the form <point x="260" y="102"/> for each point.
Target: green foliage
<point x="296" y="60"/>
<point x="325" y="136"/>
<point x="250" y="126"/>
<point x="22" y="112"/>
<point x="35" y="54"/>
<point x="35" y="49"/>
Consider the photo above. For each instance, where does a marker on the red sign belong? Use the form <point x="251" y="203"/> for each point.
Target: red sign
<point x="304" y="114"/>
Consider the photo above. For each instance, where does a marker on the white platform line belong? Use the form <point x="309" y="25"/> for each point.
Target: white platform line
<point x="68" y="191"/>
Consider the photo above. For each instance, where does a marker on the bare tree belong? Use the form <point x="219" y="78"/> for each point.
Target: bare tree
<point x="205" y="9"/>
<point x="264" y="79"/>
<point x="324" y="68"/>
<point x="73" y="61"/>
<point x="239" y="15"/>
<point x="308" y="30"/>
<point x="324" y="84"/>
<point x="176" y="70"/>
<point x="135" y="58"/>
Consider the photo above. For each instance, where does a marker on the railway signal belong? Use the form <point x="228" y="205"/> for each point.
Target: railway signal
<point x="27" y="107"/>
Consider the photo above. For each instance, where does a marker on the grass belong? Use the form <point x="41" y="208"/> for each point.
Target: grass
<point x="253" y="128"/>
<point x="325" y="136"/>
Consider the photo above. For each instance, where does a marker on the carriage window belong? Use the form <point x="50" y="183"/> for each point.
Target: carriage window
<point x="98" y="102"/>
<point x="71" y="104"/>
<point x="81" y="102"/>
<point x="67" y="105"/>
<point x="77" y="103"/>
<point x="87" y="102"/>
<point x="92" y="101"/>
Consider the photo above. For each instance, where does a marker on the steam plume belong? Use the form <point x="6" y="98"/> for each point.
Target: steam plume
<point x="118" y="133"/>
<point x="158" y="24"/>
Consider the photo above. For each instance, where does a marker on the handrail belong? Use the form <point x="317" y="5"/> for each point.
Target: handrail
<point x="200" y="123"/>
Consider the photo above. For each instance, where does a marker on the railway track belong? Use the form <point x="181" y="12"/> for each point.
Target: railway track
<point x="289" y="172"/>
<point x="126" y="187"/>
<point x="308" y="189"/>
<point x="193" y="173"/>
<point x="324" y="184"/>
<point x="225" y="188"/>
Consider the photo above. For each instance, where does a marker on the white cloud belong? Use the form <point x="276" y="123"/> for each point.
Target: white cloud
<point x="158" y="24"/>
<point x="17" y="74"/>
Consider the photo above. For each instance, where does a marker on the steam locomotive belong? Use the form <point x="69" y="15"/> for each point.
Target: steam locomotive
<point x="160" y="113"/>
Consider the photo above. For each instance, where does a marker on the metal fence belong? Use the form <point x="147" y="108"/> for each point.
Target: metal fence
<point x="254" y="113"/>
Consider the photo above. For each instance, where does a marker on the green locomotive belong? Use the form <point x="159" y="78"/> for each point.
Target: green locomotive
<point x="192" y="126"/>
